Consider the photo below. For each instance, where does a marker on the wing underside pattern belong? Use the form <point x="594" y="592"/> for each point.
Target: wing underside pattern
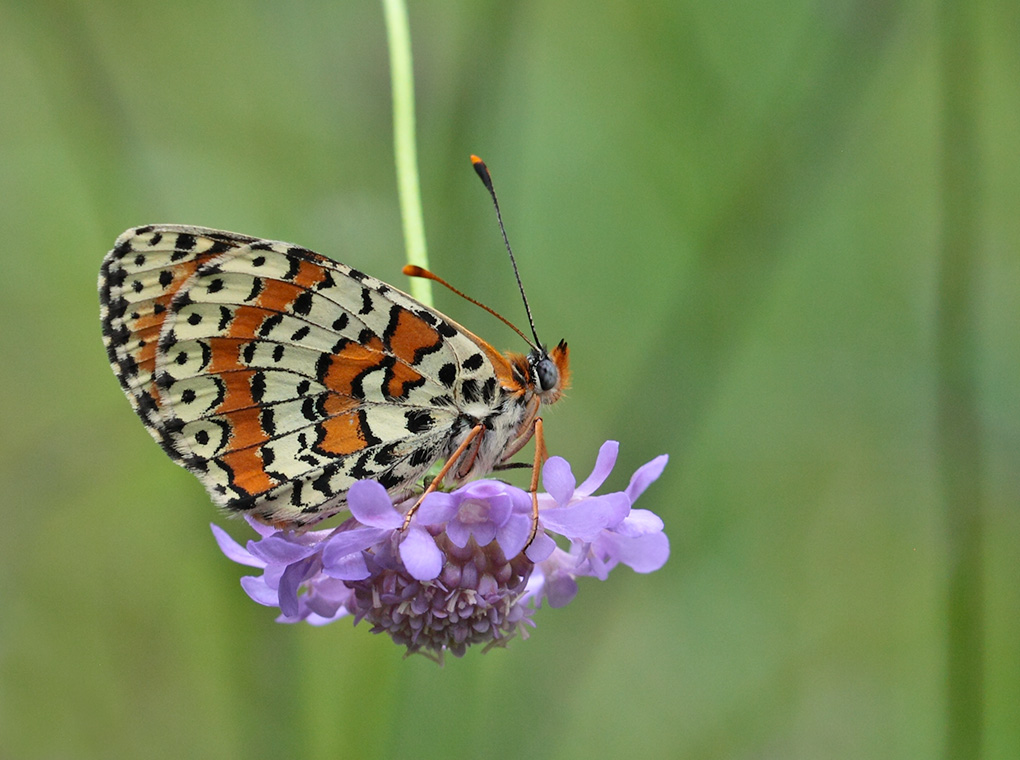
<point x="278" y="376"/>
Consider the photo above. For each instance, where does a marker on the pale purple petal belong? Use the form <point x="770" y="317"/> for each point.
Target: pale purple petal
<point x="438" y="507"/>
<point x="483" y="532"/>
<point x="259" y="591"/>
<point x="349" y="542"/>
<point x="318" y="620"/>
<point x="500" y="506"/>
<point x="540" y="548"/>
<point x="278" y="549"/>
<point x="329" y="596"/>
<point x="272" y="575"/>
<point x="597" y="568"/>
<point x="604" y="464"/>
<point x="558" y="479"/>
<point x="482" y="489"/>
<point x="513" y="534"/>
<point x="259" y="527"/>
<point x="560" y="589"/>
<point x="234" y="550"/>
<point x="458" y="533"/>
<point x="290" y="581"/>
<point x="372" y="506"/>
<point x="646" y="475"/>
<point x="644" y="554"/>
<point x="639" y="522"/>
<point x="584" y="520"/>
<point x="349" y="567"/>
<point x="420" y="555"/>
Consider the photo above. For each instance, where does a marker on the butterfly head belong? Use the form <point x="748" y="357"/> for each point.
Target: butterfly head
<point x="549" y="371"/>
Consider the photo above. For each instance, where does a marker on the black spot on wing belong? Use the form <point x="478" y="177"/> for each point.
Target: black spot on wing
<point x="322" y="366"/>
<point x="185" y="241"/>
<point x="267" y="418"/>
<point x="321" y="483"/>
<point x="258" y="386"/>
<point x="388" y="479"/>
<point x="294" y="265"/>
<point x="268" y="324"/>
<point x="422" y="455"/>
<point x="303" y="303"/>
<point x="470" y="390"/>
<point x="489" y="390"/>
<point x="419" y="420"/>
<point x="447" y="374"/>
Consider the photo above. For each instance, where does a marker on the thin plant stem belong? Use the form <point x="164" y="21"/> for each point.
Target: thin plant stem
<point x="958" y="412"/>
<point x="398" y="35"/>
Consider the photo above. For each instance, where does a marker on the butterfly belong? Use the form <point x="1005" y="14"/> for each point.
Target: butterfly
<point x="280" y="377"/>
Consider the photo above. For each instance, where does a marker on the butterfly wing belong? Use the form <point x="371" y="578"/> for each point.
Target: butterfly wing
<point x="278" y="376"/>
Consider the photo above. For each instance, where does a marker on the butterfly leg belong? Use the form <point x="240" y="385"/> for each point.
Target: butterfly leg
<point x="540" y="456"/>
<point x="476" y="431"/>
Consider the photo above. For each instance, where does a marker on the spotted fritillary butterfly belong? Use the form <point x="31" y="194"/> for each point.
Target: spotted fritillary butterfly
<point x="280" y="377"/>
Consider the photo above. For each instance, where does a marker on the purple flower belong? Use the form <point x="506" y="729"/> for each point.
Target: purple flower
<point x="460" y="573"/>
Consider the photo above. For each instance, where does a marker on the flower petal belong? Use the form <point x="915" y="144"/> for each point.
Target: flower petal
<point x="259" y="527"/>
<point x="349" y="567"/>
<point x="420" y="555"/>
<point x="371" y="505"/>
<point x="513" y="534"/>
<point x="314" y="619"/>
<point x="259" y="591"/>
<point x="437" y="508"/>
<point x="329" y="596"/>
<point x="560" y="589"/>
<point x="290" y="582"/>
<point x="645" y="475"/>
<point x="604" y="464"/>
<point x="348" y="542"/>
<point x="558" y="479"/>
<point x="644" y="554"/>
<point x="639" y="522"/>
<point x="234" y="550"/>
<point x="458" y="533"/>
<point x="483" y="532"/>
<point x="540" y="548"/>
<point x="280" y="549"/>
<point x="500" y="507"/>
<point x="583" y="520"/>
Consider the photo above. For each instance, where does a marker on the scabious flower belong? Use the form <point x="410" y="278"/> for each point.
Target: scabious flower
<point x="460" y="573"/>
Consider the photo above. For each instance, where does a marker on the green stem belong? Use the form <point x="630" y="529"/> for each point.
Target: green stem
<point x="398" y="35"/>
<point x="958" y="414"/>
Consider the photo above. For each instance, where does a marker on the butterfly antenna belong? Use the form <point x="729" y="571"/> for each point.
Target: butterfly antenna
<point x="483" y="172"/>
<point x="413" y="270"/>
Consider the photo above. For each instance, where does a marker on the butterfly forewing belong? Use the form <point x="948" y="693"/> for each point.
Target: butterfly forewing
<point x="279" y="377"/>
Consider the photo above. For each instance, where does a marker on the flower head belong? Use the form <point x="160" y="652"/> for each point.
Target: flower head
<point x="460" y="573"/>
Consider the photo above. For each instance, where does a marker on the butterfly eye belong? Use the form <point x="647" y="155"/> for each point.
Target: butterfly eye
<point x="548" y="375"/>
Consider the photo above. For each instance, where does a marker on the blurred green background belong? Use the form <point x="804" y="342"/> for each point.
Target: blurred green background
<point x="782" y="240"/>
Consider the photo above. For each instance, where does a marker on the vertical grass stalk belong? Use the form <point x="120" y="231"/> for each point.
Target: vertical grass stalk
<point x="958" y="413"/>
<point x="398" y="37"/>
